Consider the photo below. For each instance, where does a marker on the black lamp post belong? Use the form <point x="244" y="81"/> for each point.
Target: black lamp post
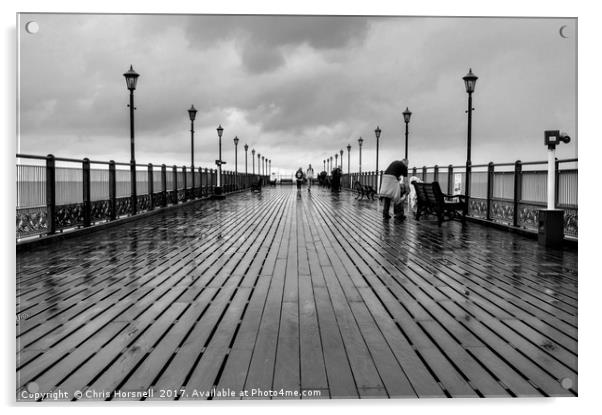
<point x="324" y="161"/>
<point x="131" y="78"/>
<point x="336" y="160"/>
<point x="360" y="142"/>
<point x="192" y="113"/>
<point x="330" y="163"/>
<point x="406" y="118"/>
<point x="341" y="152"/>
<point x="253" y="160"/>
<point x="349" y="163"/>
<point x="218" y="189"/>
<point x="270" y="170"/>
<point x="262" y="165"/>
<point x="246" y="154"/>
<point x="258" y="164"/>
<point x="377" y="133"/>
<point x="470" y="81"/>
<point x="236" y="162"/>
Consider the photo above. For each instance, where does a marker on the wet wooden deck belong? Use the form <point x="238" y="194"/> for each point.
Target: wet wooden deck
<point x="281" y="291"/>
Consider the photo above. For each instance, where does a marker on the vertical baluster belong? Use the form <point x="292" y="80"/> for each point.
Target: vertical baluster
<point x="112" y="191"/>
<point x="151" y="187"/>
<point x="184" y="183"/>
<point x="424" y="173"/>
<point x="490" y="177"/>
<point x="86" y="192"/>
<point x="164" y="185"/>
<point x="436" y="173"/>
<point x="174" y="197"/>
<point x="50" y="194"/>
<point x="518" y="180"/>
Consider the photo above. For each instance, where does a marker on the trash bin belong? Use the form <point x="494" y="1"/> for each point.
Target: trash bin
<point x="551" y="227"/>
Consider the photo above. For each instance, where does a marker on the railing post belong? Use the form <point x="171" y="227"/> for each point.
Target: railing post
<point x="450" y="179"/>
<point x="490" y="173"/>
<point x="50" y="194"/>
<point x="436" y="173"/>
<point x="164" y="185"/>
<point x="151" y="187"/>
<point x="174" y="198"/>
<point x="86" y="192"/>
<point x="184" y="182"/>
<point x="200" y="192"/>
<point x="424" y="173"/>
<point x="112" y="191"/>
<point x="414" y="171"/>
<point x="517" y="190"/>
<point x="134" y="194"/>
<point x="206" y="191"/>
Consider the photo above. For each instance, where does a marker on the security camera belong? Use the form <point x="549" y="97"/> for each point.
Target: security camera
<point x="555" y="137"/>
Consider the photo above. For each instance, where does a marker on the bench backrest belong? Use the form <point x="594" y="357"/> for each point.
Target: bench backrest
<point x="429" y="193"/>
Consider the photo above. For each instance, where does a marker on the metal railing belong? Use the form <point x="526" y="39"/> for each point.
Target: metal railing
<point x="57" y="194"/>
<point x="506" y="193"/>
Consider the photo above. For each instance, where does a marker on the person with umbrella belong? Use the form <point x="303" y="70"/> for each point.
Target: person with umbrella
<point x="390" y="189"/>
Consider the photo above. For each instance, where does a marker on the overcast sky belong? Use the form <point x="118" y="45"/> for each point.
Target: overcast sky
<point x="296" y="88"/>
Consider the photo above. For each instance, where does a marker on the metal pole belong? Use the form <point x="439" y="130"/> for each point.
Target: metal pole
<point x="551" y="178"/>
<point x="235" y="165"/>
<point x="192" y="153"/>
<point x="468" y="148"/>
<point x="132" y="156"/>
<point x="406" y="156"/>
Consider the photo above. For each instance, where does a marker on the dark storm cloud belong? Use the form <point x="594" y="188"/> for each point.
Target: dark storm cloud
<point x="262" y="39"/>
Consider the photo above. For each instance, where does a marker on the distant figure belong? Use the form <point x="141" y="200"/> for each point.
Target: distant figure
<point x="390" y="189"/>
<point x="299" y="176"/>
<point x="310" y="176"/>
<point x="322" y="178"/>
<point x="336" y="180"/>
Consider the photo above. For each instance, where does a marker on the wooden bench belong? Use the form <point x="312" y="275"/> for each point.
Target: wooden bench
<point x="256" y="187"/>
<point x="431" y="200"/>
<point x="364" y="190"/>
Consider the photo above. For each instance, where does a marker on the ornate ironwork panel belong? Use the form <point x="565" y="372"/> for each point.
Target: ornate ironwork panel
<point x="172" y="195"/>
<point x="31" y="221"/>
<point x="181" y="195"/>
<point x="123" y="206"/>
<point x="502" y="211"/>
<point x="100" y="210"/>
<point x="69" y="216"/>
<point x="570" y="222"/>
<point x="158" y="199"/>
<point x="477" y="207"/>
<point x="528" y="215"/>
<point x="143" y="202"/>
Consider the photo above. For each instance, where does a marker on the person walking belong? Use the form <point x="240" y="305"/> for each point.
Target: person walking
<point x="390" y="189"/>
<point x="310" y="176"/>
<point x="299" y="177"/>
